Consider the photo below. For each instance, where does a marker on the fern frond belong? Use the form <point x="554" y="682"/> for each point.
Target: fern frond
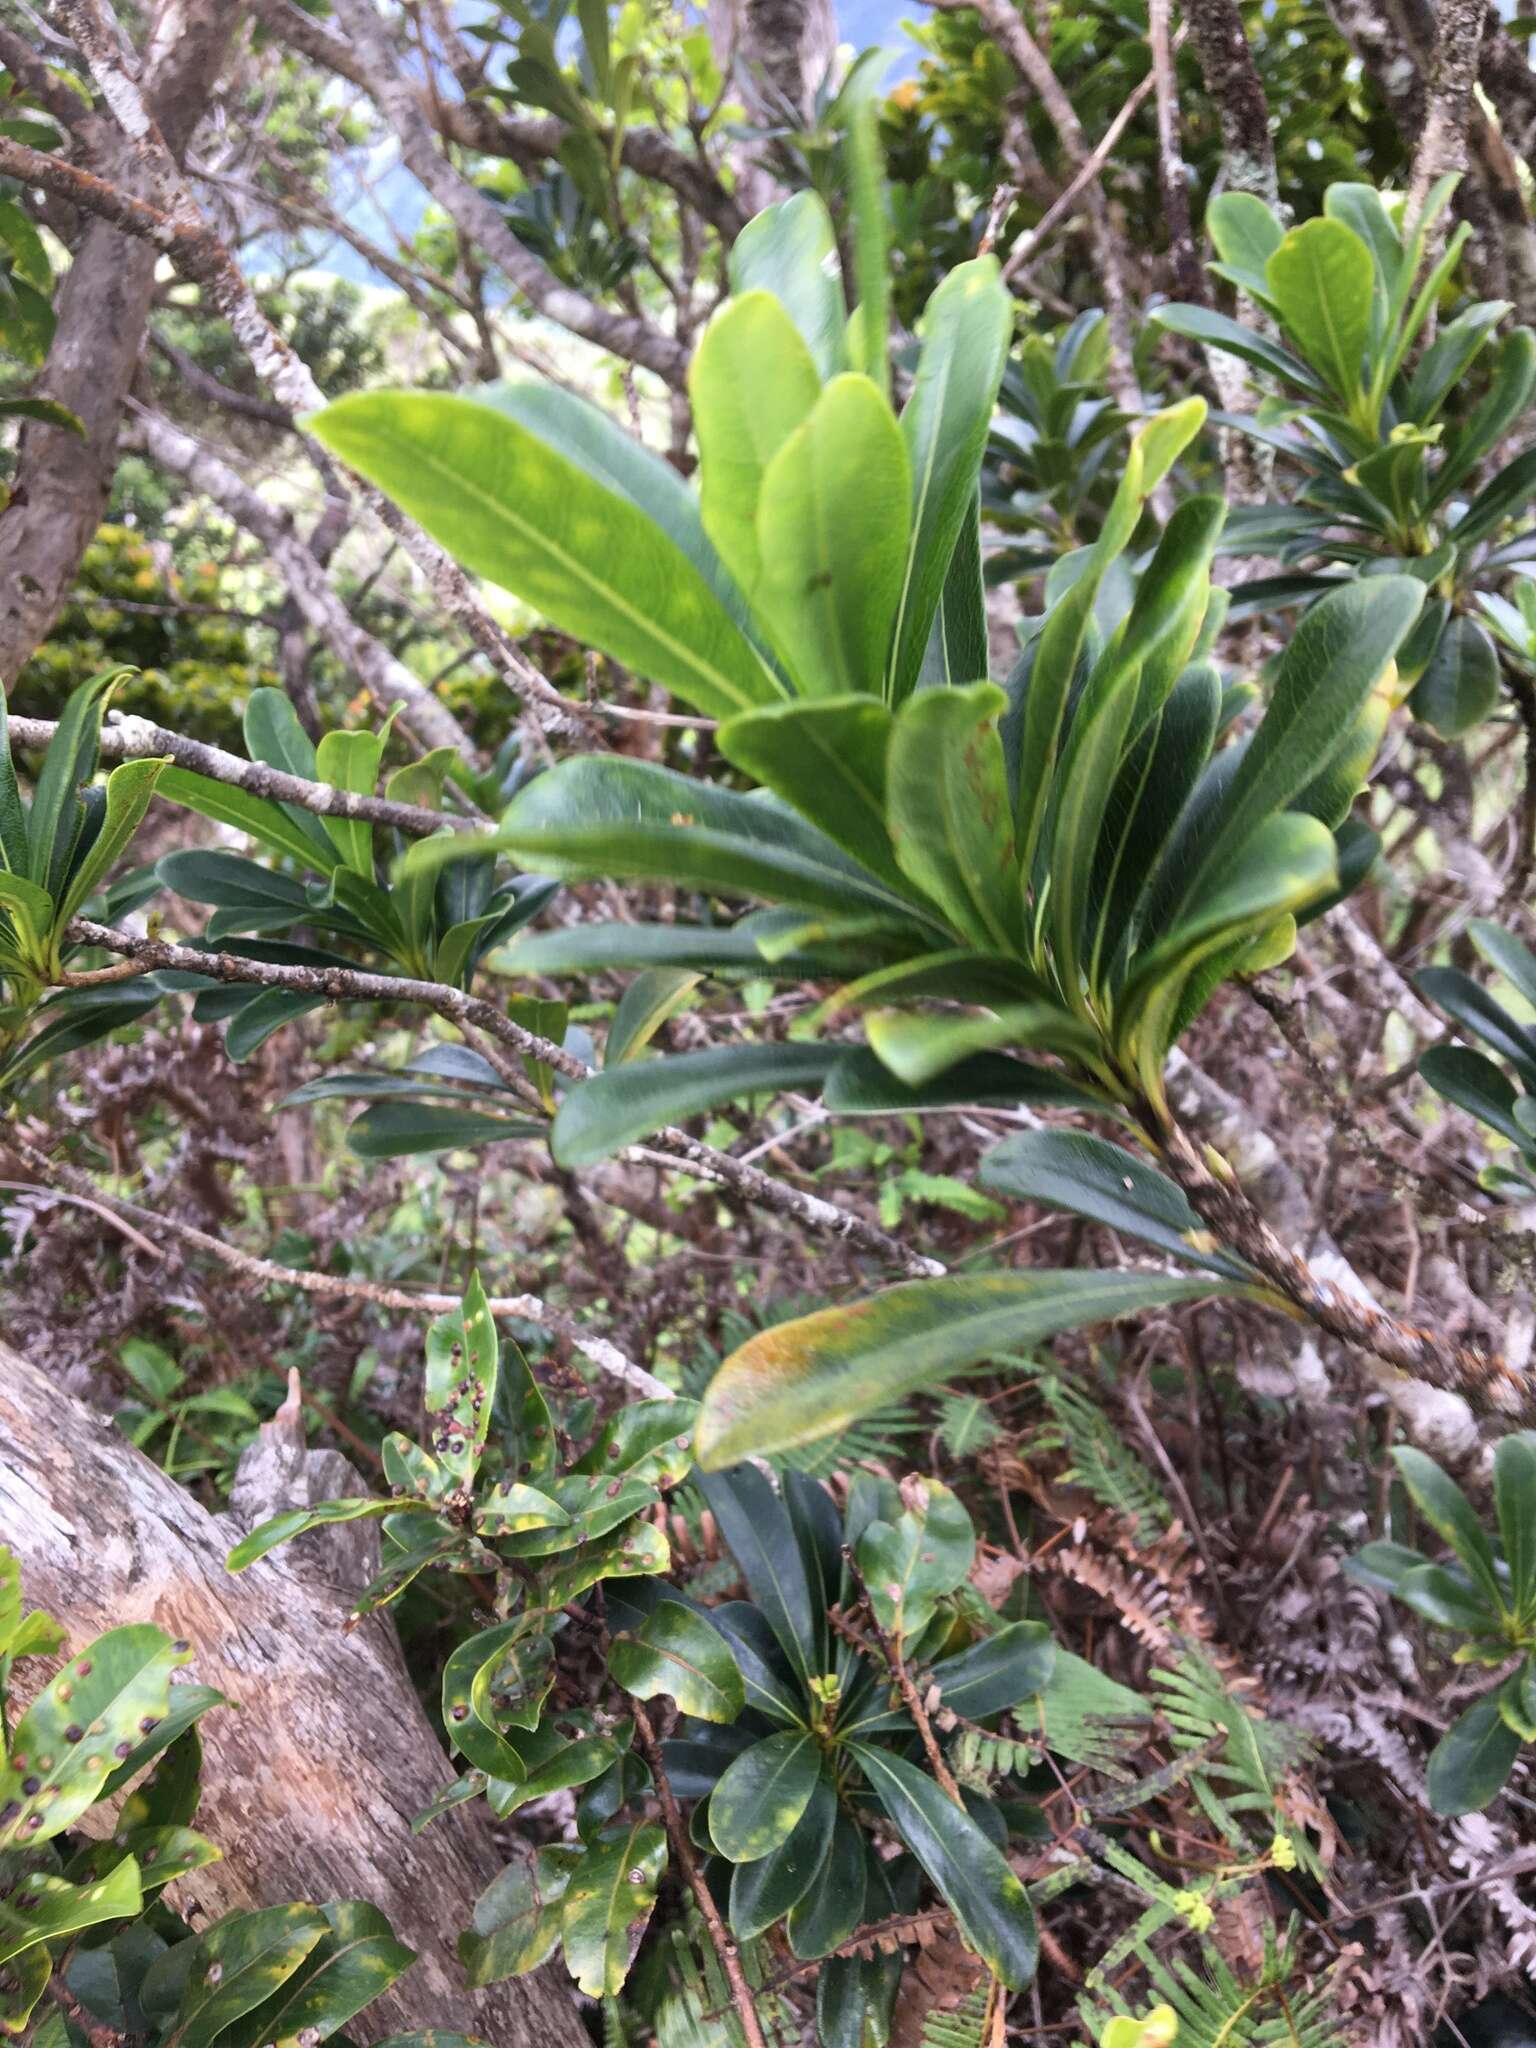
<point x="1099" y="1460"/>
<point x="966" y="2026"/>
<point x="966" y="1424"/>
<point x="1217" y="2009"/>
<point x="1248" y="1753"/>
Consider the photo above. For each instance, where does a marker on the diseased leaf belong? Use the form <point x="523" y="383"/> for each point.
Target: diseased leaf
<point x="607" y="1905"/>
<point x="802" y="1380"/>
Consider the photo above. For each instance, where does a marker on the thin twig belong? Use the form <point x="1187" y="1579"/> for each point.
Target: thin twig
<point x="674" y="1147"/>
<point x="902" y="1678"/>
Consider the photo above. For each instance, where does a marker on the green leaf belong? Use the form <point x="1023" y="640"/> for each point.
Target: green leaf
<point x="14" y="853"/>
<point x="1476" y="1085"/>
<point x="1468" y="1766"/>
<point x="1514" y="1493"/>
<point x="860" y="1084"/>
<point x="621" y="1104"/>
<point x="1215" y="330"/>
<point x="864" y="166"/>
<point x="607" y="1905"/>
<point x="757" y="1530"/>
<point x="1502" y="950"/>
<point x="349" y="1967"/>
<point x="967" y="326"/>
<point x="644" y="1007"/>
<point x="468" y="1715"/>
<point x="1360" y="207"/>
<point x="648" y="1441"/>
<point x="790" y="250"/>
<point x="1460" y="686"/>
<point x="397" y="1130"/>
<point x="759" y="1800"/>
<point x="63" y="1746"/>
<point x="1444" y="1598"/>
<point x="764" y="1890"/>
<point x="602" y="817"/>
<point x="266" y="1536"/>
<point x="1088" y="1176"/>
<point x="513" y="509"/>
<point x="1478" y="1013"/>
<point x="462" y="1359"/>
<point x="53" y="822"/>
<point x="826" y="757"/>
<point x="186" y="1705"/>
<point x="1336" y="656"/>
<point x="1321" y="278"/>
<point x="676" y="1651"/>
<point x="832" y="1907"/>
<point x="1497" y="501"/>
<point x="909" y="1563"/>
<point x="129" y="789"/>
<point x="989" y="1901"/>
<point x="266" y="822"/>
<point x="753" y="383"/>
<point x="516" y="1923"/>
<point x="834" y="517"/>
<point x="510" y="1508"/>
<point x="1126" y="690"/>
<point x="1245" y="232"/>
<point x="949" y="813"/>
<point x="350" y="761"/>
<point x="805" y="1379"/>
<point x="63" y="1909"/>
<point x="238" y="1964"/>
<point x="1450" y="1514"/>
<point x="918" y="1047"/>
<point x="996" y="1673"/>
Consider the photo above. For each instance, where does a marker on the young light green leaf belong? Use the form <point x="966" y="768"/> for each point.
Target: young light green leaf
<point x="753" y="383"/>
<point x="1321" y="278"/>
<point x="834" y="516"/>
<point x="512" y="508"/>
<point x="350" y="761"/>
<point x="827" y="757"/>
<point x="967" y="325"/>
<point x="949" y="813"/>
<point x="790" y="250"/>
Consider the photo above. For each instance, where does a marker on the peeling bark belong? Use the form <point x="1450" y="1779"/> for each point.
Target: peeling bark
<point x="313" y="1772"/>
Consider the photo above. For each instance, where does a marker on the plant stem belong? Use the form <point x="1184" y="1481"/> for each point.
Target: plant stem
<point x="725" y="1948"/>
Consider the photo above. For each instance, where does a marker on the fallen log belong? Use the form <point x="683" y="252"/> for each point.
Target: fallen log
<point x="313" y="1772"/>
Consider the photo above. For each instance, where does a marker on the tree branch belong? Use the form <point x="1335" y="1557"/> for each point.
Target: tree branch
<point x="481" y="221"/>
<point x="136" y="739"/>
<point x="673" y="1147"/>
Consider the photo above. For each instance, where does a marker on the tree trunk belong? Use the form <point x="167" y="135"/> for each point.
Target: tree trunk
<point x="314" y="1770"/>
<point x="62" y="482"/>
